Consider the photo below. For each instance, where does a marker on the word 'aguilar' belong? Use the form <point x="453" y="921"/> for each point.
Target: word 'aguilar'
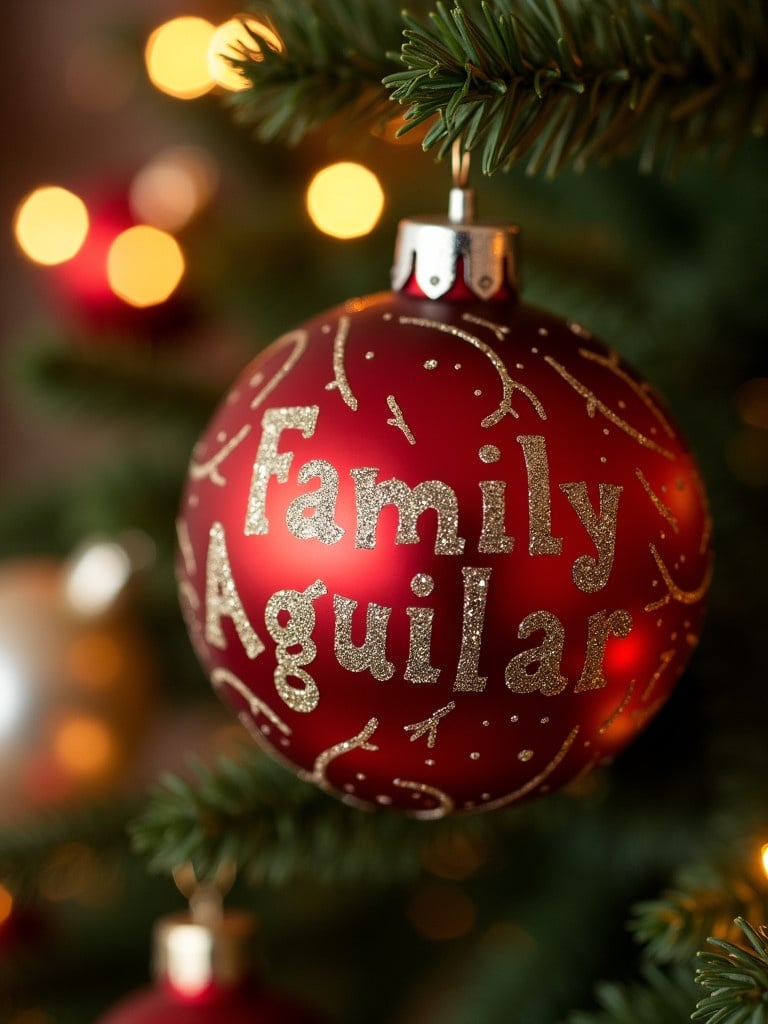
<point x="290" y="615"/>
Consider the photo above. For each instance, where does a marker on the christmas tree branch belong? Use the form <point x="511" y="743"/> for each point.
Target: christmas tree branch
<point x="333" y="58"/>
<point x="704" y="902"/>
<point x="738" y="980"/>
<point x="112" y="381"/>
<point x="567" y="82"/>
<point x="663" y="998"/>
<point x="275" y="828"/>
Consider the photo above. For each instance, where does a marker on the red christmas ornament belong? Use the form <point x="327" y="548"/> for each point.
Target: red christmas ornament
<point x="439" y="550"/>
<point x="204" y="977"/>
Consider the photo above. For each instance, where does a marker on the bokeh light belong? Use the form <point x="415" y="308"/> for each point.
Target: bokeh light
<point x="176" y="56"/>
<point x="440" y="912"/>
<point x="173" y="187"/>
<point x="230" y="40"/>
<point x="51" y="225"/>
<point x="6" y="904"/>
<point x="96" y="576"/>
<point x="764" y="858"/>
<point x="752" y="402"/>
<point x="144" y="266"/>
<point x="345" y="200"/>
<point x="84" y="747"/>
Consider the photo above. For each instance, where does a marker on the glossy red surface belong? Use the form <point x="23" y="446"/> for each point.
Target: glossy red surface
<point x="597" y="518"/>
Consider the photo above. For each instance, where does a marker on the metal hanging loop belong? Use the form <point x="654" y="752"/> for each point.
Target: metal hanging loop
<point x="461" y="199"/>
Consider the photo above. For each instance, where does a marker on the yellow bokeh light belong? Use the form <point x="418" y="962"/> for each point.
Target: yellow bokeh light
<point x="6" y="904"/>
<point x="84" y="747"/>
<point x="144" y="266"/>
<point x="345" y="200"/>
<point x="176" y="56"/>
<point x="230" y="40"/>
<point x="764" y="858"/>
<point x="51" y="224"/>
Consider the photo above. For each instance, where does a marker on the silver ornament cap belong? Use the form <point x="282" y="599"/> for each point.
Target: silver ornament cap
<point x="436" y="250"/>
<point x="192" y="954"/>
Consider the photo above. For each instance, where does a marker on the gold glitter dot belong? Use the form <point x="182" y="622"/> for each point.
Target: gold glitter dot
<point x="525" y="755"/>
<point x="587" y="743"/>
<point x="545" y="720"/>
<point x="369" y="355"/>
<point x="266" y="730"/>
<point x="285" y="743"/>
<point x="457" y="366"/>
<point x="477" y="392"/>
<point x="349" y="788"/>
<point x="384" y="800"/>
<point x="221" y="437"/>
<point x="387" y="316"/>
<point x="422" y="584"/>
<point x="486" y="723"/>
<point x="519" y="366"/>
<point x="429" y="762"/>
<point x="659" y="622"/>
<point x="535" y="351"/>
<point x="622" y="404"/>
<point x="489" y="453"/>
<point x="326" y="328"/>
<point x="430" y="364"/>
<point x="485" y="796"/>
<point x="603" y="459"/>
<point x="514" y="719"/>
<point x="360" y="777"/>
<point x="475" y="756"/>
<point x="606" y="431"/>
<point x="543" y="332"/>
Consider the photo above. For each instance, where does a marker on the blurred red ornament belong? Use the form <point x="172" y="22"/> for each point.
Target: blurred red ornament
<point x="86" y="292"/>
<point x="204" y="976"/>
<point x="440" y="550"/>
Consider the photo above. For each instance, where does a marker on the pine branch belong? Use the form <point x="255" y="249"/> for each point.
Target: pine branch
<point x="26" y="846"/>
<point x="738" y="979"/>
<point x="570" y="83"/>
<point x="111" y="381"/>
<point x="276" y="829"/>
<point x="704" y="902"/>
<point x="334" y="56"/>
<point x="567" y="82"/>
<point x="665" y="998"/>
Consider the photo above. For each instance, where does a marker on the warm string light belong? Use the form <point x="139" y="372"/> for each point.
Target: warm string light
<point x="764" y="858"/>
<point x="50" y="225"/>
<point x="345" y="200"/>
<point x="186" y="57"/>
<point x="144" y="266"/>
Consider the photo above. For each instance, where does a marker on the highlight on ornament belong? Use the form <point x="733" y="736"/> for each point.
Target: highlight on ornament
<point x="176" y="57"/>
<point x="235" y="39"/>
<point x="764" y="858"/>
<point x="51" y="225"/>
<point x="144" y="266"/>
<point x="11" y="694"/>
<point x="173" y="187"/>
<point x="345" y="200"/>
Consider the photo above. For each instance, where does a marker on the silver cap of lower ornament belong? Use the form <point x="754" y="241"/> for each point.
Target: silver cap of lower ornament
<point x="435" y="250"/>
